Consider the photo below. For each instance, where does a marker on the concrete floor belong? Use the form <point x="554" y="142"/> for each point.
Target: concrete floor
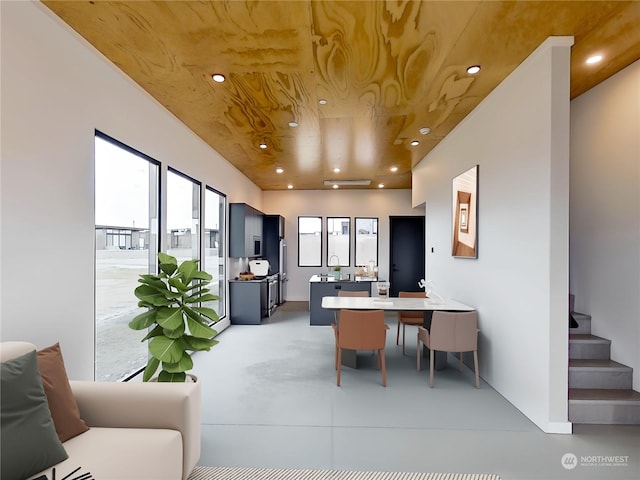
<point x="270" y="400"/>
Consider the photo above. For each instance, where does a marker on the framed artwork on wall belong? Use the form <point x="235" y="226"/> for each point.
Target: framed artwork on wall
<point x="464" y="214"/>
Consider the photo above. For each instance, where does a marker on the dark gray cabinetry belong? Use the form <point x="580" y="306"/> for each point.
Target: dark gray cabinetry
<point x="245" y="231"/>
<point x="317" y="314"/>
<point x="246" y="302"/>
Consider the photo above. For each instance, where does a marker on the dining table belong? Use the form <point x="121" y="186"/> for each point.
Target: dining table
<point x="396" y="304"/>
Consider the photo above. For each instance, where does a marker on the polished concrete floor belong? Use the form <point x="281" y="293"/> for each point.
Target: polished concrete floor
<point x="270" y="400"/>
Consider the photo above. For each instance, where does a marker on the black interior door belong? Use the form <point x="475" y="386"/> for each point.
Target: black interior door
<point x="406" y="254"/>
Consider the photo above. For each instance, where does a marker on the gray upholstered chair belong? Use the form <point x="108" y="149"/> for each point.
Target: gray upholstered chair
<point x="450" y="332"/>
<point x="409" y="318"/>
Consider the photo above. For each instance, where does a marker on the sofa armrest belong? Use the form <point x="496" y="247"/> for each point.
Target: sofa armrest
<point x="174" y="406"/>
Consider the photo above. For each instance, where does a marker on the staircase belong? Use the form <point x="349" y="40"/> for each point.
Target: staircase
<point x="600" y="390"/>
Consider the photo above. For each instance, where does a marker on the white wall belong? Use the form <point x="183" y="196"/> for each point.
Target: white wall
<point x="519" y="137"/>
<point x="605" y="206"/>
<point x="55" y="91"/>
<point x="336" y="203"/>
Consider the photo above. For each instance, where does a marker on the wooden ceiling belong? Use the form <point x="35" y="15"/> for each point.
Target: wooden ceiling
<point x="385" y="68"/>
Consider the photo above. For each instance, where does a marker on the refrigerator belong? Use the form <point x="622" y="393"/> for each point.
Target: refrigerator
<point x="275" y="251"/>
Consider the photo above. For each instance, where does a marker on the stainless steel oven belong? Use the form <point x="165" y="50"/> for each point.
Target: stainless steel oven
<point x="272" y="293"/>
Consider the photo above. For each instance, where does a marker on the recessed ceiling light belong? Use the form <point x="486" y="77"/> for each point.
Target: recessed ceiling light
<point x="336" y="170"/>
<point x="293" y="124"/>
<point x="473" y="69"/>
<point x="394" y="169"/>
<point x="322" y="101"/>
<point x="415" y="143"/>
<point x="263" y="145"/>
<point x="289" y="186"/>
<point x="594" y="59"/>
<point x="279" y="170"/>
<point x="218" y="77"/>
<point x="425" y="131"/>
<point x="381" y="185"/>
<point x="335" y="185"/>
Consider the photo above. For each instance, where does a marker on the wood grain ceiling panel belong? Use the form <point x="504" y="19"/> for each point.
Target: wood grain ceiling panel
<point x="386" y="69"/>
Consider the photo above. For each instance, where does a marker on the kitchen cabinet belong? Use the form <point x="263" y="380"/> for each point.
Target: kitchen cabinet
<point x="246" y="301"/>
<point x="319" y="289"/>
<point x="245" y="231"/>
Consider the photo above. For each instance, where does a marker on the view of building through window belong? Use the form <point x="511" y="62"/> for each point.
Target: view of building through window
<point x="127" y="242"/>
<point x="310" y="241"/>
<point x="183" y="217"/>
<point x="126" y="219"/>
<point x="214" y="234"/>
<point x="338" y="241"/>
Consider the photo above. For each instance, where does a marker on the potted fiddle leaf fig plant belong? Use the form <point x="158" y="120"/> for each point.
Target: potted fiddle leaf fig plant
<point x="176" y="322"/>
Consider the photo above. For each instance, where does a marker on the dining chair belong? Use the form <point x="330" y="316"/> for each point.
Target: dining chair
<point x="334" y="325"/>
<point x="450" y="332"/>
<point x="409" y="318"/>
<point x="362" y="330"/>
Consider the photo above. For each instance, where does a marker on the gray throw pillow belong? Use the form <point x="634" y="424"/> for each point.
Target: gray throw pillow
<point x="29" y="440"/>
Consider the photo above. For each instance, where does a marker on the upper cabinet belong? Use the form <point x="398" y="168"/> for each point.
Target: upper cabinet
<point x="245" y="231"/>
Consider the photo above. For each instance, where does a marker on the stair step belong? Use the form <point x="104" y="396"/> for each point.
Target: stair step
<point x="604" y="406"/>
<point x="584" y="322"/>
<point x="599" y="374"/>
<point x="586" y="346"/>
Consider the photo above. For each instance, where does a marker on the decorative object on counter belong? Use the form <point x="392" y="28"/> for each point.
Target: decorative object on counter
<point x="336" y="272"/>
<point x="177" y="324"/>
<point x="383" y="289"/>
<point x="246" y="275"/>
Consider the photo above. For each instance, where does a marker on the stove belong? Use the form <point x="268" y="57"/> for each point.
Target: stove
<point x="260" y="268"/>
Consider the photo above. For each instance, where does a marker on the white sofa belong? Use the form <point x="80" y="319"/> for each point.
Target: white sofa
<point x="136" y="430"/>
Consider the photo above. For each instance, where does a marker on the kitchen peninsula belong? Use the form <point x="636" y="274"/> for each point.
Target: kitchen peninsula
<point x="328" y="286"/>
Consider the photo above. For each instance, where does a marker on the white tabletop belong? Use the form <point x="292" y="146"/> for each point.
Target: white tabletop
<point x="393" y="304"/>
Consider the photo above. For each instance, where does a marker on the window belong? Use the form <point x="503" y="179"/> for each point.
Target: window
<point x="183" y="217"/>
<point x="126" y="226"/>
<point x="338" y="241"/>
<point x="310" y="241"/>
<point x="214" y="235"/>
<point x="366" y="244"/>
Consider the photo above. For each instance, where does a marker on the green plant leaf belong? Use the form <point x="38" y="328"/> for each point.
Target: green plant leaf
<point x="168" y="268"/>
<point x="187" y="270"/>
<point x="191" y="313"/>
<point x="201" y="275"/>
<point x="166" y="349"/>
<point x="184" y="364"/>
<point x="177" y="283"/>
<point x="170" y="317"/>
<point x="199" y="330"/>
<point x="165" y="258"/>
<point x="210" y="313"/>
<point x="153" y="280"/>
<point x="202" y="298"/>
<point x="151" y="295"/>
<point x="197" y="285"/>
<point x="172" y="377"/>
<point x="177" y="333"/>
<point x="199" y="344"/>
<point x="150" y="369"/>
<point x="143" y="320"/>
<point x="155" y="332"/>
